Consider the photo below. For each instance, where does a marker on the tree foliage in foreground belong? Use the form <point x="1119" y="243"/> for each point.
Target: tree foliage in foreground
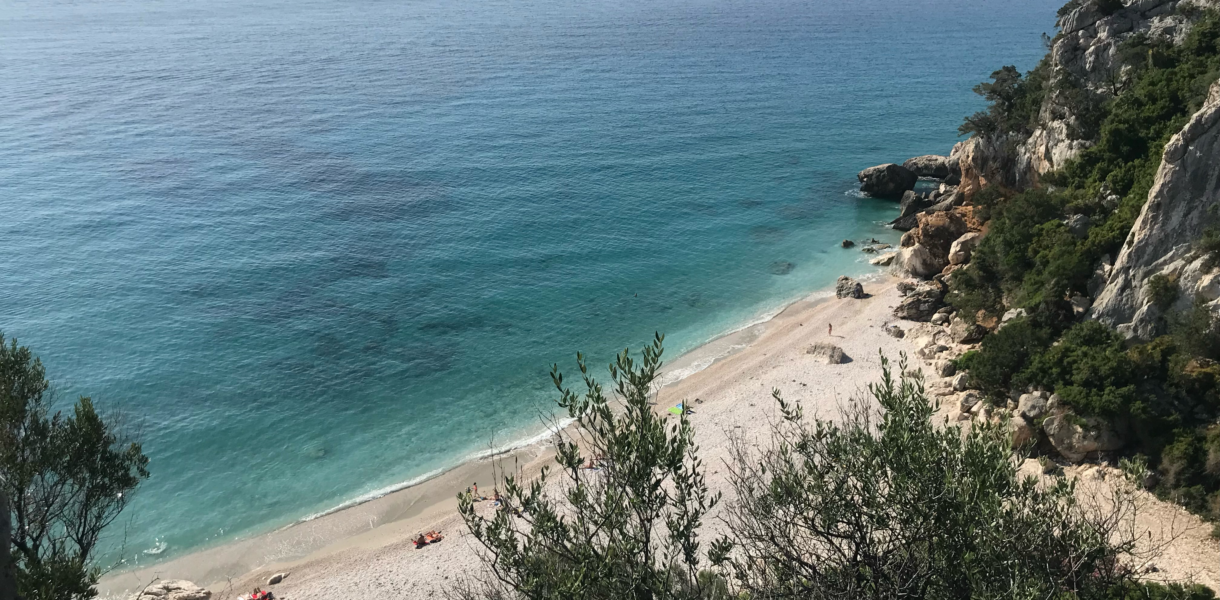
<point x="627" y="529"/>
<point x="885" y="504"/>
<point x="882" y="503"/>
<point x="66" y="478"/>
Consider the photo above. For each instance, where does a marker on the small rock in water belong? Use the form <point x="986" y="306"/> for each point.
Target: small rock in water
<point x="847" y="243"/>
<point x="782" y="267"/>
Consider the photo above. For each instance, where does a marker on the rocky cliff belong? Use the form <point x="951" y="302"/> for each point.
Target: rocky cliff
<point x="1084" y="65"/>
<point x="1183" y="203"/>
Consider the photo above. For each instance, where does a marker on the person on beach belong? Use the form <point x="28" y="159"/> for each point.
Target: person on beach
<point x="830" y="329"/>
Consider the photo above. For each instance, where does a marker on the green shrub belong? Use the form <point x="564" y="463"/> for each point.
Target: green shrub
<point x="1162" y="291"/>
<point x="1004" y="354"/>
<point x="887" y="503"/>
<point x="1089" y="369"/>
<point x="1015" y="101"/>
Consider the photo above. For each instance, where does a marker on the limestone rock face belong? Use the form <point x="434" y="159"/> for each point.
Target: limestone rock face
<point x="884" y="260"/>
<point x="1186" y="188"/>
<point x="931" y="165"/>
<point x="886" y="181"/>
<point x="966" y="333"/>
<point x="919" y="261"/>
<point x="1088" y="49"/>
<point x="921" y="303"/>
<point x="847" y="287"/>
<point x="1032" y="406"/>
<point x="912" y="203"/>
<point x="174" y="589"/>
<point x="936" y="232"/>
<point x="827" y="353"/>
<point x="1022" y="432"/>
<point x="1077" y="438"/>
<point x="963" y="247"/>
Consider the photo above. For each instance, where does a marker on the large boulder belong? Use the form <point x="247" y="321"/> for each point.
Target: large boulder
<point x="919" y="261"/>
<point x="1077" y="438"/>
<point x="931" y="165"/>
<point x="1032" y="406"/>
<point x="912" y="203"/>
<point x="827" y="353"/>
<point x="937" y="231"/>
<point x="963" y="332"/>
<point x="921" y="303"/>
<point x="847" y="287"/>
<point x="963" y="247"/>
<point x="173" y="589"/>
<point x="906" y="223"/>
<point x="884" y="260"/>
<point x="886" y="181"/>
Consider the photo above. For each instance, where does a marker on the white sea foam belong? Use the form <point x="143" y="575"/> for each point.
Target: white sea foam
<point x="531" y="440"/>
<point x="157" y="548"/>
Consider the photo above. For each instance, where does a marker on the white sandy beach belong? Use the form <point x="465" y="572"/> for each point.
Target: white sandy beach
<point x="365" y="551"/>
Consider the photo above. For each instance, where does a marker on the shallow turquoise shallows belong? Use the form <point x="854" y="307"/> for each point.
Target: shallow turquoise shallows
<point x="323" y="248"/>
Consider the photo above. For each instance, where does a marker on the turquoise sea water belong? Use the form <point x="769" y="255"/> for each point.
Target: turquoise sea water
<point x="323" y="248"/>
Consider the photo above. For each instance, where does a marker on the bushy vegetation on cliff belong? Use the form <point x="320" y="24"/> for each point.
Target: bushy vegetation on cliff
<point x="1166" y="389"/>
<point x="881" y="503"/>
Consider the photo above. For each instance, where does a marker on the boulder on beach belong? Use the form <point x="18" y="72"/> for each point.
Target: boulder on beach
<point x="827" y="353"/>
<point x="886" y="181"/>
<point x="846" y="287"/>
<point x="173" y="589"/>
<point x="930" y="165"/>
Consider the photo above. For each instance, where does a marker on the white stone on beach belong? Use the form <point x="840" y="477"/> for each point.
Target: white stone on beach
<point x="173" y="589"/>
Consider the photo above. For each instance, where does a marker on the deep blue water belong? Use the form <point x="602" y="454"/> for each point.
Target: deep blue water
<point x="320" y="248"/>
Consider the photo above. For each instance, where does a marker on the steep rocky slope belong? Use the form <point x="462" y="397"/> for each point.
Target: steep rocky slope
<point x="1182" y="204"/>
<point x="1087" y="55"/>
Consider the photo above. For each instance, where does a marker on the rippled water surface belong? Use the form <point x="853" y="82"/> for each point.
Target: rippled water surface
<point x="322" y="248"/>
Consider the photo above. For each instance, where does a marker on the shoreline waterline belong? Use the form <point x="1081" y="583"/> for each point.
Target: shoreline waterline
<point x="350" y="523"/>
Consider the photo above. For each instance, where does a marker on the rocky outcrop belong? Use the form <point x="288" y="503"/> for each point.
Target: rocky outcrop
<point x="174" y="589"/>
<point x="886" y="181"/>
<point x="1077" y="438"/>
<point x="1086" y="53"/>
<point x="921" y="303"/>
<point x="926" y="247"/>
<point x="963" y="247"/>
<point x="931" y="165"/>
<point x="846" y="287"/>
<point x="827" y="353"/>
<point x="919" y="261"/>
<point x="912" y="203"/>
<point x="884" y="260"/>
<point x="1181" y="205"/>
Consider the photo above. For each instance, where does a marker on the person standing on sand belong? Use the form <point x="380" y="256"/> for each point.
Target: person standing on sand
<point x="830" y="329"/>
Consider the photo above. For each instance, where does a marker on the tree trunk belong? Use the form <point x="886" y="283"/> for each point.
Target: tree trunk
<point x="8" y="575"/>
